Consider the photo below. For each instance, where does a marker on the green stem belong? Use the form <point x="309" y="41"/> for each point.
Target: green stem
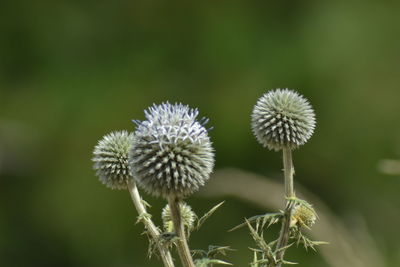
<point x="283" y="239"/>
<point x="149" y="225"/>
<point x="182" y="245"/>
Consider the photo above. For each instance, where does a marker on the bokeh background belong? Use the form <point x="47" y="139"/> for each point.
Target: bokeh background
<point x="72" y="71"/>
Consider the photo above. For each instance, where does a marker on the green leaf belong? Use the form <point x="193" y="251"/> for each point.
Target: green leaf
<point x="289" y="262"/>
<point x="142" y="217"/>
<point x="215" y="250"/>
<point x="205" y="262"/>
<point x="268" y="217"/>
<point x="207" y="215"/>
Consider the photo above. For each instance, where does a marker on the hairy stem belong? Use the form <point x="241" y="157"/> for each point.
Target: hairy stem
<point x="149" y="225"/>
<point x="182" y="245"/>
<point x="283" y="239"/>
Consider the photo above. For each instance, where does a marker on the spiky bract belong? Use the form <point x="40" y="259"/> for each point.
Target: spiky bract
<point x="188" y="217"/>
<point x="172" y="152"/>
<point x="111" y="159"/>
<point x="283" y="118"/>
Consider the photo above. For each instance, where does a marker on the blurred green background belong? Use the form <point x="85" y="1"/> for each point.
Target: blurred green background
<point x="72" y="71"/>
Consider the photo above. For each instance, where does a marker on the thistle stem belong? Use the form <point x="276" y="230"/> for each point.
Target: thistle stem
<point x="283" y="239"/>
<point x="149" y="225"/>
<point x="182" y="245"/>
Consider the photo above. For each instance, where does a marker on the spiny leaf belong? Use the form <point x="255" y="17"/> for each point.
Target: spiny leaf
<point x="215" y="250"/>
<point x="143" y="216"/>
<point x="317" y="243"/>
<point x="207" y="215"/>
<point x="257" y="238"/>
<point x="307" y="243"/>
<point x="289" y="262"/>
<point x="200" y="252"/>
<point x="266" y="250"/>
<point x="145" y="203"/>
<point x="205" y="262"/>
<point x="284" y="248"/>
<point x="272" y="243"/>
<point x="255" y="259"/>
<point x="271" y="217"/>
<point x="216" y="261"/>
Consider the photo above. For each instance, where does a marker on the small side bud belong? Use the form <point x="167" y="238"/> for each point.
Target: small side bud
<point x="188" y="217"/>
<point x="303" y="216"/>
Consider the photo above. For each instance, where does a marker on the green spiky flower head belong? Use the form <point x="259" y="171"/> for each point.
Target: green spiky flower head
<point x="282" y="119"/>
<point x="111" y="159"/>
<point x="171" y="153"/>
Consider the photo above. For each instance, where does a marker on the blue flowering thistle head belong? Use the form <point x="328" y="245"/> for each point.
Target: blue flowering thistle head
<point x="282" y="119"/>
<point x="111" y="159"/>
<point x="172" y="152"/>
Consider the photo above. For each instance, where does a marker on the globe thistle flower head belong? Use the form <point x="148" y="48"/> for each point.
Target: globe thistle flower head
<point x="171" y="152"/>
<point x="111" y="159"/>
<point x="282" y="119"/>
<point x="188" y="217"/>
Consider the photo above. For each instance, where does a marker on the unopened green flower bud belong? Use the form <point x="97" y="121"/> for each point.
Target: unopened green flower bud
<point x="111" y="159"/>
<point x="283" y="119"/>
<point x="188" y="217"/>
